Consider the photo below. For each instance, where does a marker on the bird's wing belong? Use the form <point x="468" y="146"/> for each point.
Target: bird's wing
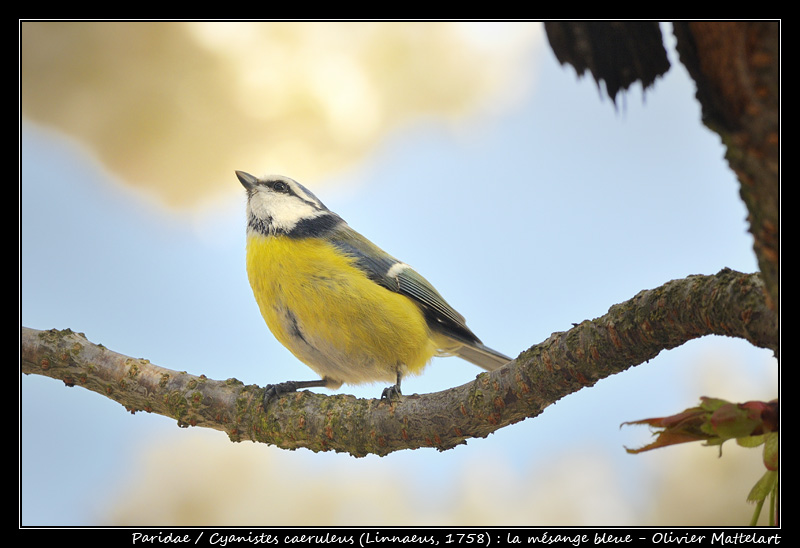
<point x="397" y="276"/>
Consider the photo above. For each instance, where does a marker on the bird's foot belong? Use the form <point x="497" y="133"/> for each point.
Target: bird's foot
<point x="391" y="393"/>
<point x="273" y="391"/>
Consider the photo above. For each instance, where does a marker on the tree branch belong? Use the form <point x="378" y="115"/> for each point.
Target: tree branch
<point x="728" y="303"/>
<point x="736" y="67"/>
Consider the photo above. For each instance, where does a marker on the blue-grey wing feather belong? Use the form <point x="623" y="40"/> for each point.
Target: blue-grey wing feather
<point x="378" y="265"/>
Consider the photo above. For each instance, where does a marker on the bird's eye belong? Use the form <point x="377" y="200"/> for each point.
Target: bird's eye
<point x="280" y="186"/>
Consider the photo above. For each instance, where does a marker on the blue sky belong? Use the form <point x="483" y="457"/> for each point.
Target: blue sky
<point x="527" y="221"/>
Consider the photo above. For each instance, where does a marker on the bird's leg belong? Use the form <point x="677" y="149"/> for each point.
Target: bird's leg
<point x="391" y="393"/>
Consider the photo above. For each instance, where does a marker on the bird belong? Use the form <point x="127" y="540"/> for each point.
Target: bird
<point x="344" y="307"/>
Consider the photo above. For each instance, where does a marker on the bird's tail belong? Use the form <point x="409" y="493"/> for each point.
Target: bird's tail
<point x="482" y="356"/>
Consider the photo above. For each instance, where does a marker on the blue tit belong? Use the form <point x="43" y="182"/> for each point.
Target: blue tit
<point x="343" y="306"/>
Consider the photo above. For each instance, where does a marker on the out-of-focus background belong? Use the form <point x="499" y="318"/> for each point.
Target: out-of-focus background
<point x="527" y="197"/>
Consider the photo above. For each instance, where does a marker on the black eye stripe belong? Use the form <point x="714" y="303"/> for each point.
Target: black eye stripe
<point x="292" y="188"/>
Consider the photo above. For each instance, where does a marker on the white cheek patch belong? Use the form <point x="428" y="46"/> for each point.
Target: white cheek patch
<point x="281" y="211"/>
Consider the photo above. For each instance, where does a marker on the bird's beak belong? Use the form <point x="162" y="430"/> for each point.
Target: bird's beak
<point x="248" y="181"/>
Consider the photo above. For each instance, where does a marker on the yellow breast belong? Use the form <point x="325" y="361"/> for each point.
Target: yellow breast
<point x="330" y="315"/>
